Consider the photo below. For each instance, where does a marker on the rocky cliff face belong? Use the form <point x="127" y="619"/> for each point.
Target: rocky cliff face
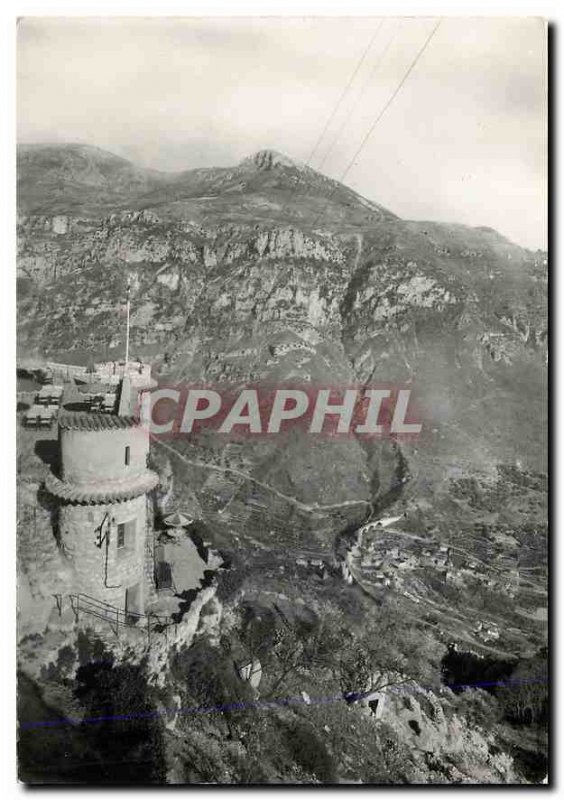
<point x="272" y="272"/>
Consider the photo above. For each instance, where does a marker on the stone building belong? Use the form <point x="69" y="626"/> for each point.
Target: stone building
<point x="105" y="520"/>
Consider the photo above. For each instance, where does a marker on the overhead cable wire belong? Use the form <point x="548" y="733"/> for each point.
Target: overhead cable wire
<point x="385" y="107"/>
<point x="348" y="117"/>
<point x="336" y="107"/>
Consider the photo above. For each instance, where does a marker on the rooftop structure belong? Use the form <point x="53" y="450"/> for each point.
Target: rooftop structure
<point x="85" y="421"/>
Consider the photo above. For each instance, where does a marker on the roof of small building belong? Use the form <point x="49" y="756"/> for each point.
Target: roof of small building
<point x="86" y="421"/>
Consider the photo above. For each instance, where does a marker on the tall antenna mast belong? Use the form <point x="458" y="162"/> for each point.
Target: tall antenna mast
<point x="127" y="328"/>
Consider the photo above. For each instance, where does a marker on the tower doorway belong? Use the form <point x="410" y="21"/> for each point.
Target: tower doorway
<point x="133" y="607"/>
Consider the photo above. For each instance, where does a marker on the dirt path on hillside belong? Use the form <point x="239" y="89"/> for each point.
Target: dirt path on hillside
<point x="310" y="508"/>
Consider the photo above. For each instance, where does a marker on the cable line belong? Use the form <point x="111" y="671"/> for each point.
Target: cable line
<point x="345" y="91"/>
<point x="336" y="108"/>
<point x="348" y="118"/>
<point x="379" y="117"/>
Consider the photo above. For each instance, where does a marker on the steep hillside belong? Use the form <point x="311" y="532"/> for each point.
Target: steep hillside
<point x="270" y="271"/>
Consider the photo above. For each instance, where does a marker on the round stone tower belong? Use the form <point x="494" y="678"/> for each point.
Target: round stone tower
<point x="102" y="488"/>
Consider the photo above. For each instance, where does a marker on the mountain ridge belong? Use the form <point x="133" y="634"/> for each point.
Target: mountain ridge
<point x="55" y="168"/>
<point x="234" y="279"/>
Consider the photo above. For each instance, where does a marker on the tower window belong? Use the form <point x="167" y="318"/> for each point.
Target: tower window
<point x="126" y="535"/>
<point x="121" y="535"/>
<point x="127" y="455"/>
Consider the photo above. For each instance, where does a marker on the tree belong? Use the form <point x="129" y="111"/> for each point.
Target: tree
<point x="296" y="650"/>
<point x="386" y="652"/>
<point x="123" y="731"/>
<point x="525" y="698"/>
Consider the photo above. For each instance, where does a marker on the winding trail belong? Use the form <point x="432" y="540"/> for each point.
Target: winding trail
<point x="310" y="508"/>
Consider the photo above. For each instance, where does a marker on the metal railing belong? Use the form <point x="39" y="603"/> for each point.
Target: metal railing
<point x="117" y="618"/>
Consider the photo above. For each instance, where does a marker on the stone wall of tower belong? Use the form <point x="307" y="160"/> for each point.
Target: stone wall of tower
<point x="106" y="572"/>
<point x="99" y="455"/>
<point x="150" y="585"/>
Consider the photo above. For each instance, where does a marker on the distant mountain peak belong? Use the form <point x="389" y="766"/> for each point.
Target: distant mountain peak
<point x="61" y="150"/>
<point x="269" y="159"/>
<point x="78" y="178"/>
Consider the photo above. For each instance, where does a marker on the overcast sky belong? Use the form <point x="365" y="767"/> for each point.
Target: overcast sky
<point x="463" y="141"/>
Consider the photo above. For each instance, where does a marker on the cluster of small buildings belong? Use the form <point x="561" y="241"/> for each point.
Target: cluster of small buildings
<point x="463" y="568"/>
<point x="385" y="564"/>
